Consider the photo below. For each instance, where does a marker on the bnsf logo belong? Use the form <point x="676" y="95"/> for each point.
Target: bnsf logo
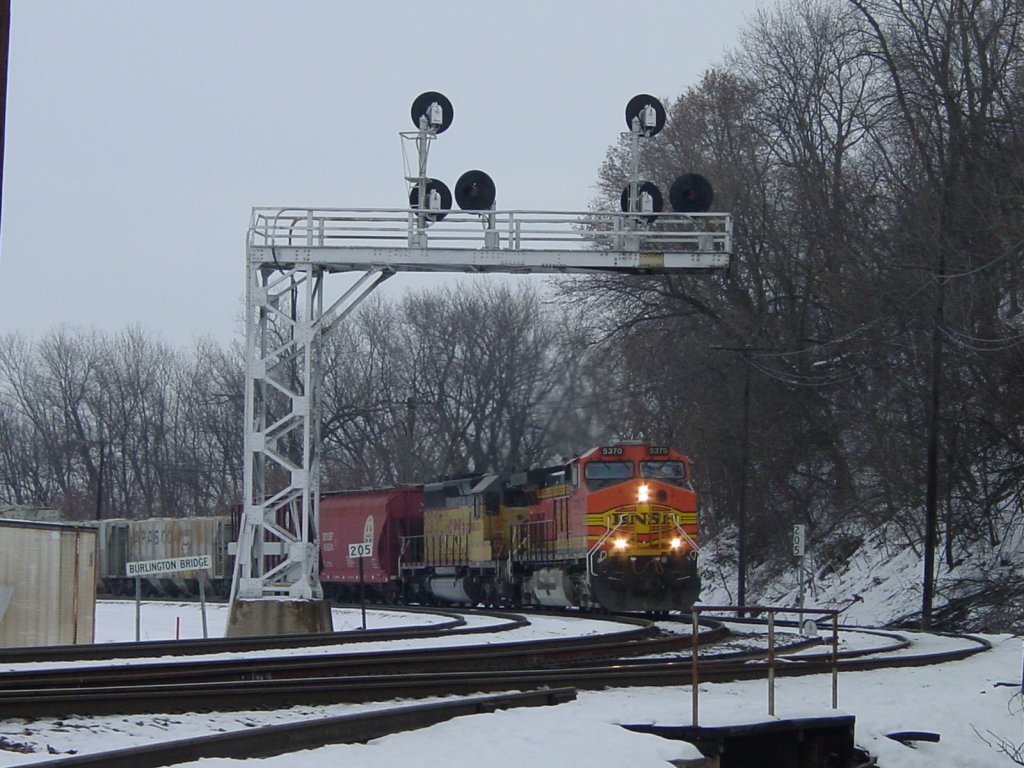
<point x="646" y="518"/>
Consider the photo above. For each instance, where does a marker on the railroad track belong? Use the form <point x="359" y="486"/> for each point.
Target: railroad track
<point x="589" y="663"/>
<point x="233" y="683"/>
<point x="554" y="669"/>
<point x="455" y="624"/>
<point x="273" y="740"/>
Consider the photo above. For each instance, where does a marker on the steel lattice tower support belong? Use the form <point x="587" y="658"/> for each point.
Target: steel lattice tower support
<point x="278" y="552"/>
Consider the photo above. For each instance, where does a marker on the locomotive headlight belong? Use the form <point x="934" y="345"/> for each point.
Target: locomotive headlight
<point x="620" y="545"/>
<point x="643" y="493"/>
<point x="677" y="543"/>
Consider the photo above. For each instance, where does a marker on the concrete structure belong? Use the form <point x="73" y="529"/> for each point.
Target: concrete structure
<point x="281" y="616"/>
<point x="47" y="583"/>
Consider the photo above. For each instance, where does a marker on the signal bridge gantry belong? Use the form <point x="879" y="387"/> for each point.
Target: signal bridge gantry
<point x="291" y="251"/>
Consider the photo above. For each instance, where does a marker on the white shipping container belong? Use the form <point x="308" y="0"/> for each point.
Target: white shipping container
<point x="49" y="570"/>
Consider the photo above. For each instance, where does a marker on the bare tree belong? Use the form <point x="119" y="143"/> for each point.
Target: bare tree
<point x="118" y="426"/>
<point x="952" y="140"/>
<point x="855" y="143"/>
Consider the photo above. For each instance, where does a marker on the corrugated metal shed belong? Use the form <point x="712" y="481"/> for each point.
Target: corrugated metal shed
<point x="48" y="570"/>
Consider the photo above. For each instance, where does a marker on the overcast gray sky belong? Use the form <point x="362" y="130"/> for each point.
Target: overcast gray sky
<point x="141" y="133"/>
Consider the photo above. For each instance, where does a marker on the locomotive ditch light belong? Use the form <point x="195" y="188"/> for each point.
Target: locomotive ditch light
<point x="435" y="110"/>
<point x="676" y="543"/>
<point x="620" y="545"/>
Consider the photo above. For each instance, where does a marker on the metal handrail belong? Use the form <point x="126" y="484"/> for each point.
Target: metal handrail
<point x="695" y="612"/>
<point x="684" y="534"/>
<point x="599" y="544"/>
<point x="547" y="545"/>
<point x="506" y="230"/>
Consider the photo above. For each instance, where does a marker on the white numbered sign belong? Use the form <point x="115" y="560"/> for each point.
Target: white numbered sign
<point x="360" y="549"/>
<point x="799" y="535"/>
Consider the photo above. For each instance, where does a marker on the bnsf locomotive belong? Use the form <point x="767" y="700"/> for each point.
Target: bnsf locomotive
<point x="615" y="528"/>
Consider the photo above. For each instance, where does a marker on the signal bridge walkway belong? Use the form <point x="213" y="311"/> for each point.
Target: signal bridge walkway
<point x="355" y="239"/>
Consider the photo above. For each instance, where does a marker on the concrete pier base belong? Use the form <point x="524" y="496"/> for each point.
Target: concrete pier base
<point x="253" y="618"/>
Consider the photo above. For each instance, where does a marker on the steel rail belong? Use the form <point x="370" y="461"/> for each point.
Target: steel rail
<point x="273" y="740"/>
<point x="456" y="625"/>
<point x="237" y="695"/>
<point x="515" y="655"/>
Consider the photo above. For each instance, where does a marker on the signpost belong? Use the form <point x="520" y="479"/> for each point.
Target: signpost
<point x="140" y="568"/>
<point x="360" y="550"/>
<point x="799" y="548"/>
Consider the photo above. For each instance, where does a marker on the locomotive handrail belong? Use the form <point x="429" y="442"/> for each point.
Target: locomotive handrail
<point x="597" y="546"/>
<point x="528" y="548"/>
<point x="515" y="546"/>
<point x="448" y="549"/>
<point x="403" y="545"/>
<point x="684" y="534"/>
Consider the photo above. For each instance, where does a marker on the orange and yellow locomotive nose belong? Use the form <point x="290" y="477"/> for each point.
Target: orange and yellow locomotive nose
<point x="644" y="526"/>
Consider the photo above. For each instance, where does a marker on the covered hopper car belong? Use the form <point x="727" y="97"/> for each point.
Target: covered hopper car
<point x="121" y="541"/>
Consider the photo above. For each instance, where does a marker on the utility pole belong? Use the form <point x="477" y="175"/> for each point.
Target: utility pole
<point x="99" y="482"/>
<point x="934" y="418"/>
<point x="742" y="512"/>
<point x="741" y="586"/>
<point x="931" y="504"/>
<point x="5" y="51"/>
<point x="410" y="439"/>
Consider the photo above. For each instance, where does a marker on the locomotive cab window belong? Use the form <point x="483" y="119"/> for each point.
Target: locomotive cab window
<point x="602" y="474"/>
<point x="673" y="472"/>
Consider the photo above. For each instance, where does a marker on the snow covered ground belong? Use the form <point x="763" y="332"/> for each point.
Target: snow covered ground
<point x="960" y="701"/>
<point x="878" y="582"/>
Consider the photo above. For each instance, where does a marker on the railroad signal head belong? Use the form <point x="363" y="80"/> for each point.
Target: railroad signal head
<point x="434" y="110"/>
<point x="475" y="191"/>
<point x="691" y="193"/>
<point x="648" y="200"/>
<point x="648" y="112"/>
<point x="438" y="199"/>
